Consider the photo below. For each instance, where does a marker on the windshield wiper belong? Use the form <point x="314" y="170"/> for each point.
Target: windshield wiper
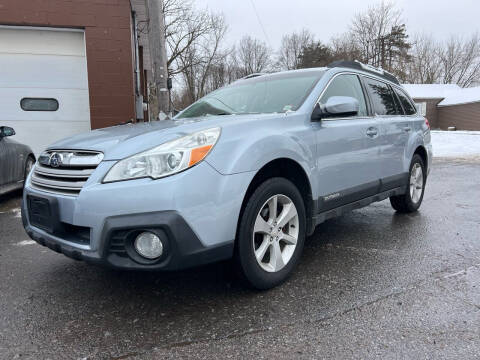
<point x="219" y="114"/>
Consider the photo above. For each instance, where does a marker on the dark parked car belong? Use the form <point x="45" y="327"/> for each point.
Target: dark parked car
<point x="16" y="161"/>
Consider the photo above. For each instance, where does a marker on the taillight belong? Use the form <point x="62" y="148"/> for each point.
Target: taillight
<point x="427" y="123"/>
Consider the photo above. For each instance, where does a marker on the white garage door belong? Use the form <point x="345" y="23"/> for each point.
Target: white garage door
<point x="43" y="84"/>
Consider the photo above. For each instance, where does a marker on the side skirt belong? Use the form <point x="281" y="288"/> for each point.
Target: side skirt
<point x="321" y="217"/>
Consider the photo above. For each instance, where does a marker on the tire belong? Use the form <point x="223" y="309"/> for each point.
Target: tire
<point x="280" y="245"/>
<point x="411" y="200"/>
<point x="28" y="166"/>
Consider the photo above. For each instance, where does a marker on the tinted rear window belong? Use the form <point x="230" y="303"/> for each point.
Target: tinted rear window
<point x="382" y="98"/>
<point x="406" y="103"/>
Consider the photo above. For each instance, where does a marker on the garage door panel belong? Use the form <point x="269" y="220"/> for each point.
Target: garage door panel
<point x="18" y="40"/>
<point x="73" y="105"/>
<point x="43" y="63"/>
<point x="43" y="71"/>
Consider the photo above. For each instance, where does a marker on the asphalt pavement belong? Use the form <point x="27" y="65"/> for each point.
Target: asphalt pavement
<point x="371" y="284"/>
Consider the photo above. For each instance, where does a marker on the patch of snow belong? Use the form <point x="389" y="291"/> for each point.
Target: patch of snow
<point x="430" y="91"/>
<point x="462" y="96"/>
<point x="25" y="242"/>
<point x="17" y="212"/>
<point x="457" y="144"/>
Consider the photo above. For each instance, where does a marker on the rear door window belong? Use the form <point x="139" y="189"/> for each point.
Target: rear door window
<point x="406" y="103"/>
<point x="382" y="98"/>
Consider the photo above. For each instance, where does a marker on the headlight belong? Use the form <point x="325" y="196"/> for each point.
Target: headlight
<point x="166" y="159"/>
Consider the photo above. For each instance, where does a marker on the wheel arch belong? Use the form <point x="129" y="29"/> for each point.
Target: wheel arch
<point x="291" y="170"/>
<point x="420" y="150"/>
<point x="29" y="155"/>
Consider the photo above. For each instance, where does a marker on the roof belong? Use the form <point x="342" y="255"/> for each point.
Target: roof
<point x="431" y="91"/>
<point x="462" y="96"/>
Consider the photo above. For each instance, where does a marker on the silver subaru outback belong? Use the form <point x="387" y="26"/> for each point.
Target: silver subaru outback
<point x="246" y="172"/>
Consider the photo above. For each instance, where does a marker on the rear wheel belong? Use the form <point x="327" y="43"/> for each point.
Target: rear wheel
<point x="412" y="199"/>
<point x="271" y="234"/>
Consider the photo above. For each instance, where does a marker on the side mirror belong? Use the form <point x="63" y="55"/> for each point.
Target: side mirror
<point x="336" y="106"/>
<point x="6" y="131"/>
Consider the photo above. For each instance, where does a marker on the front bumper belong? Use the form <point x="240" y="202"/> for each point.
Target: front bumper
<point x="195" y="212"/>
<point x="183" y="248"/>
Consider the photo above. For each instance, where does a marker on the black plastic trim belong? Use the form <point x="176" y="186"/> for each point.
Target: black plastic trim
<point x="394" y="181"/>
<point x="321" y="217"/>
<point x="358" y="197"/>
<point x="183" y="247"/>
<point x="348" y="195"/>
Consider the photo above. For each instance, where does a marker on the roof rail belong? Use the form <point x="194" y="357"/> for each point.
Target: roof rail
<point x="365" y="67"/>
<point x="252" y="76"/>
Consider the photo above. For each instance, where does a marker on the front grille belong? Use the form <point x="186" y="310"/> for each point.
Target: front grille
<point x="67" y="174"/>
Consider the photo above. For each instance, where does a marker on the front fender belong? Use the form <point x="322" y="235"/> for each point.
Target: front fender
<point x="242" y="151"/>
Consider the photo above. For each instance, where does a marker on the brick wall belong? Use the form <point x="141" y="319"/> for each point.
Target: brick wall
<point x="107" y="25"/>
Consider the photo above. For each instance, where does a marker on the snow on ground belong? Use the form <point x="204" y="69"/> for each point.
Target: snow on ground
<point x="458" y="144"/>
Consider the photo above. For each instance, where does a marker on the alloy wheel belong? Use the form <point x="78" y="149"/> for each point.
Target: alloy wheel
<point x="275" y="233"/>
<point x="416" y="183"/>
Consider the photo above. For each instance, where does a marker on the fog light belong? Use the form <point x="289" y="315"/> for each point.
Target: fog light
<point x="149" y="245"/>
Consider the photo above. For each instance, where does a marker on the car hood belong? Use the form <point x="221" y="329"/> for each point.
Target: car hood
<point x="118" y="142"/>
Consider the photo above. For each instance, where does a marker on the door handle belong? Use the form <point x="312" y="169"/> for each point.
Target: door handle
<point x="407" y="128"/>
<point x="372" y="132"/>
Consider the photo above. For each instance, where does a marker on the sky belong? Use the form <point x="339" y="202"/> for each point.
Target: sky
<point x="329" y="18"/>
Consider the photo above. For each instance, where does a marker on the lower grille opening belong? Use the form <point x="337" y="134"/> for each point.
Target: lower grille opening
<point x="117" y="243"/>
<point x="76" y="234"/>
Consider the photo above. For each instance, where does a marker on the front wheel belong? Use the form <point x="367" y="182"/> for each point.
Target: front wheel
<point x="271" y="234"/>
<point x="412" y="199"/>
<point x="28" y="167"/>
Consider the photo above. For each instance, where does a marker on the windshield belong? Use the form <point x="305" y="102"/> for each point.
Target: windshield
<point x="261" y="95"/>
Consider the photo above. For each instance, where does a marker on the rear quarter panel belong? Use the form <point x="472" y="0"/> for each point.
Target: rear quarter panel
<point x="14" y="158"/>
<point x="420" y="137"/>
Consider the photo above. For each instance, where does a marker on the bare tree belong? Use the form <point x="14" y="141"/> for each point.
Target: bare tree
<point x="460" y="60"/>
<point x="292" y="47"/>
<point x="381" y="36"/>
<point x="200" y="59"/>
<point x="253" y="56"/>
<point x="185" y="26"/>
<point x="343" y="47"/>
<point x="424" y="67"/>
<point x="455" y="61"/>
